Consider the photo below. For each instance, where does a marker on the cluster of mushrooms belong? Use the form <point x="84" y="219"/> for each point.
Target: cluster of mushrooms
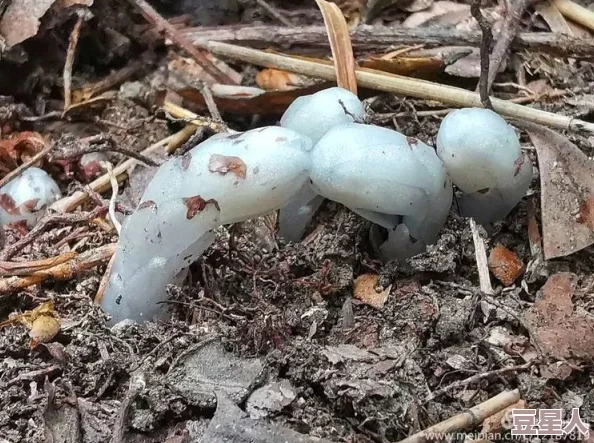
<point x="322" y="149"/>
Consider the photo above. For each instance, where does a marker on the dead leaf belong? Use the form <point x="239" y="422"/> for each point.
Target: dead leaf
<point x="470" y="65"/>
<point x="366" y="290"/>
<point x="224" y="164"/>
<point x="22" y="18"/>
<point x="558" y="370"/>
<point x="505" y="265"/>
<point x="567" y="184"/>
<point x="551" y="15"/>
<point x="187" y="71"/>
<point x="9" y="205"/>
<point x="276" y="80"/>
<point x="196" y="205"/>
<point x="441" y="12"/>
<point x="247" y="101"/>
<point x="557" y="330"/>
<point x="409" y="66"/>
<point x="340" y="44"/>
<point x="18" y="148"/>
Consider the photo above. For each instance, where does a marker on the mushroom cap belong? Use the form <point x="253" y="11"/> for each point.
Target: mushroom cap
<point x="314" y="115"/>
<point x="479" y="149"/>
<point x="371" y="168"/>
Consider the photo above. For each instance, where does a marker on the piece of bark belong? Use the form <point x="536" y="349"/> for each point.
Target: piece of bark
<point x="366" y="38"/>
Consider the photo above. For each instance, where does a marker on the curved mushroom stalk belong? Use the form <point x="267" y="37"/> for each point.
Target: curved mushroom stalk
<point x="314" y="115"/>
<point x="382" y="175"/>
<point x="226" y="179"/>
<point x="483" y="157"/>
<point x="297" y="214"/>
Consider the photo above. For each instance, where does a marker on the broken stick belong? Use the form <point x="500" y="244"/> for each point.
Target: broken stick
<point x="473" y="417"/>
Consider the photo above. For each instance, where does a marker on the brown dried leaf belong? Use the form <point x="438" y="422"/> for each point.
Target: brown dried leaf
<point x="224" y="164"/>
<point x="366" y="290"/>
<point x="276" y="80"/>
<point x="567" y="190"/>
<point x="30" y="205"/>
<point x="196" y="204"/>
<point x="9" y="205"/>
<point x="559" y="331"/>
<point x="22" y="17"/>
<point x="409" y="66"/>
<point x="340" y="44"/>
<point x="20" y="147"/>
<point x="505" y="265"/>
<point x="248" y="101"/>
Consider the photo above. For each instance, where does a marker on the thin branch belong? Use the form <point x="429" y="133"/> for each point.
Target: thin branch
<point x="406" y="86"/>
<point x="478" y="377"/>
<point x="473" y="417"/>
<point x="198" y="55"/>
<point x="210" y="103"/>
<point x="102" y="183"/>
<point x="481" y="259"/>
<point x="274" y="13"/>
<point x="70" y="54"/>
<point x="509" y="30"/>
<point x="366" y="38"/>
<point x="486" y="46"/>
<point x="64" y="271"/>
<point x="47" y="222"/>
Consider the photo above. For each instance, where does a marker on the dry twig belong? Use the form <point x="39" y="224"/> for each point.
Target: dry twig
<point x="509" y="30"/>
<point x="481" y="259"/>
<point x="63" y="271"/>
<point x="274" y="13"/>
<point x="486" y="46"/>
<point x="401" y="85"/>
<point x="478" y="377"/>
<point x="115" y="188"/>
<point x="210" y="103"/>
<point x="29" y="267"/>
<point x="575" y="12"/>
<point x="155" y="18"/>
<point x="45" y="223"/>
<point x="189" y="117"/>
<point x="70" y="54"/>
<point x="366" y="38"/>
<point x="474" y="416"/>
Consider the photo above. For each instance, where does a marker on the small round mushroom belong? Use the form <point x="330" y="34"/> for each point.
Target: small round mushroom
<point x="26" y="197"/>
<point x="483" y="157"/>
<point x="382" y="174"/>
<point x="314" y="115"/>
